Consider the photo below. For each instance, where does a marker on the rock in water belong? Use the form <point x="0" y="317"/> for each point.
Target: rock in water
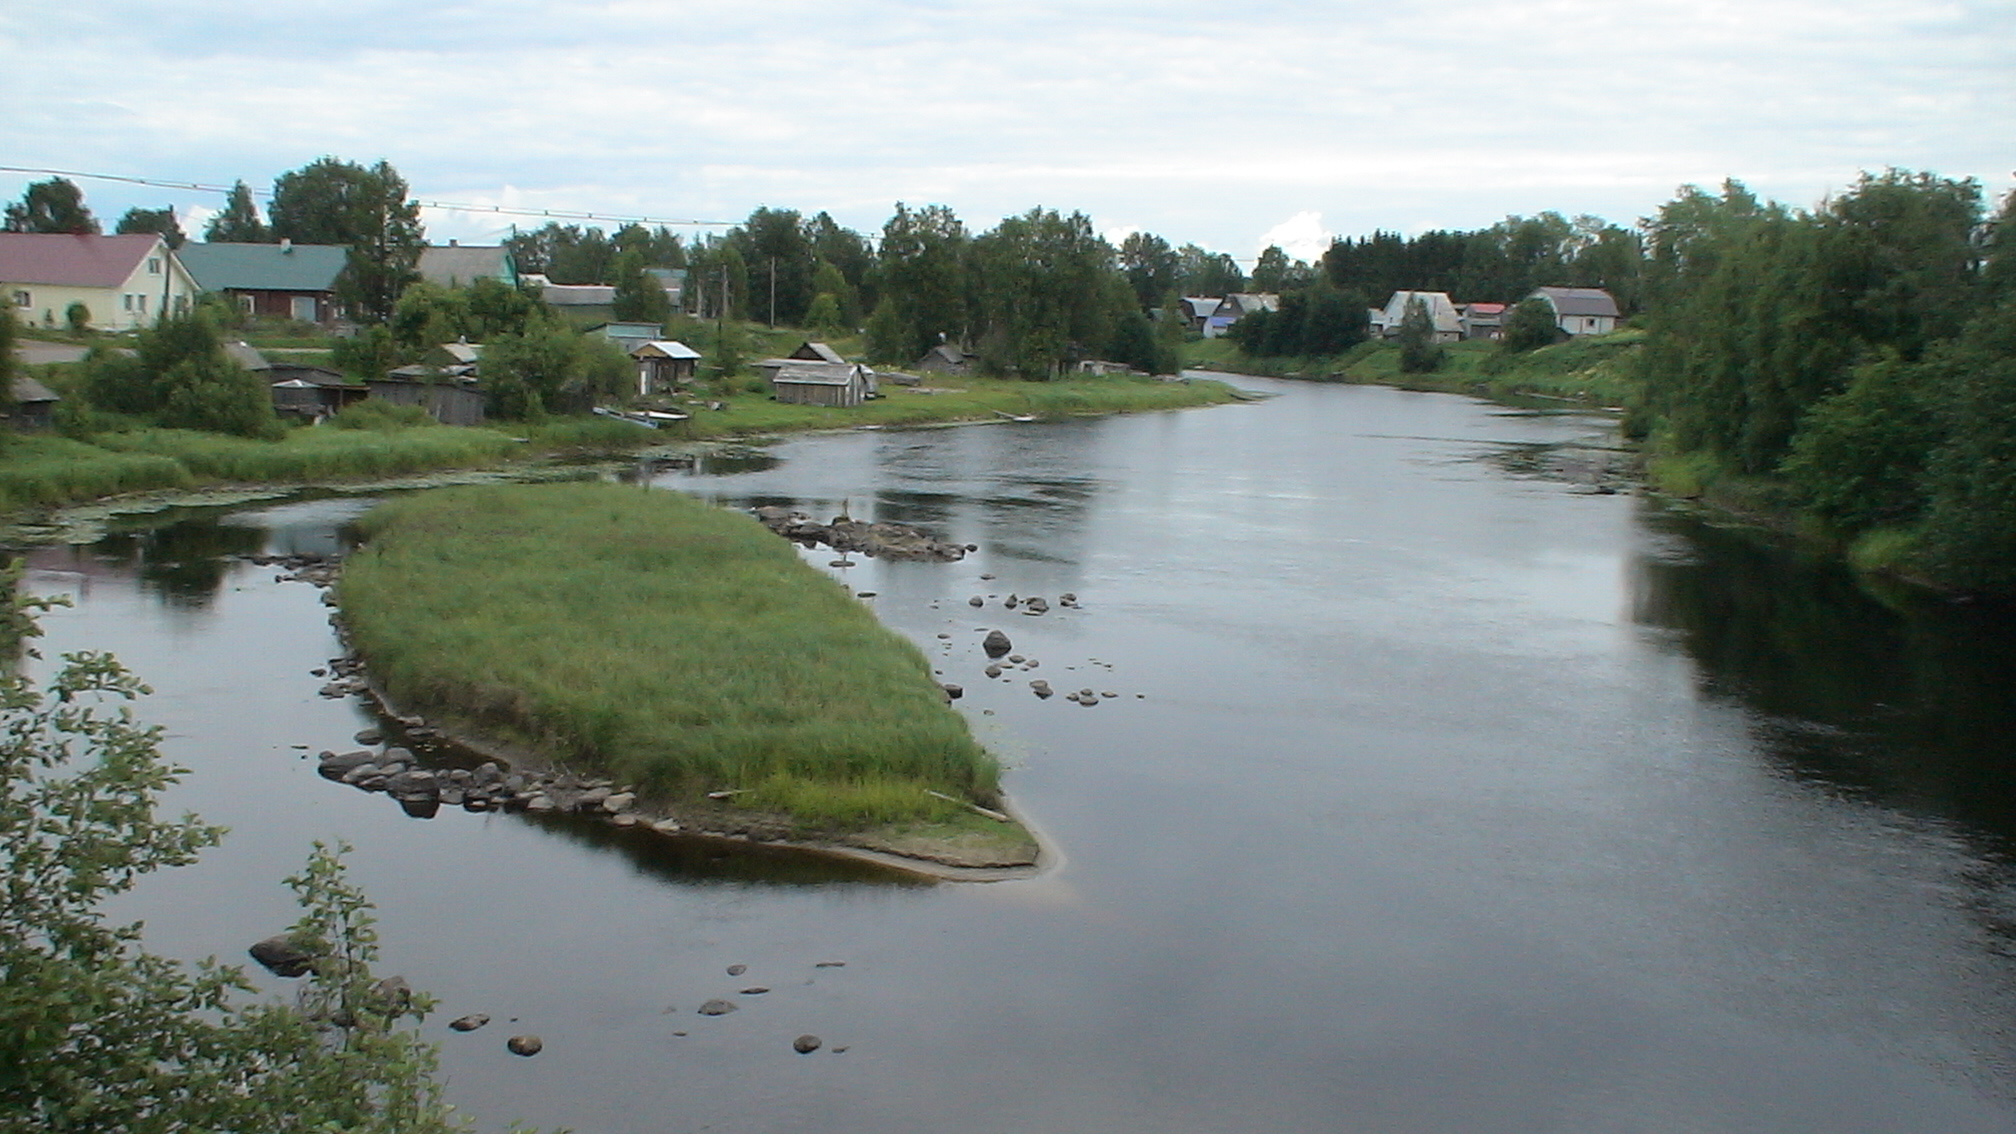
<point x="470" y="1022"/>
<point x="717" y="1008"/>
<point x="524" y="1045"/>
<point x="737" y="969"/>
<point x="996" y="644"/>
<point x="282" y="956"/>
<point x="805" y="1045"/>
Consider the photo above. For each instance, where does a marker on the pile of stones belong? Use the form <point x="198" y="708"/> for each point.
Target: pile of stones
<point x="487" y="787"/>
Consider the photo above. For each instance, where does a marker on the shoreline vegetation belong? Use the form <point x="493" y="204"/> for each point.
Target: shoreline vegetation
<point x="685" y="653"/>
<point x="43" y="473"/>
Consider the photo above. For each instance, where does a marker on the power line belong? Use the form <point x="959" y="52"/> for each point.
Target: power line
<point x="500" y="210"/>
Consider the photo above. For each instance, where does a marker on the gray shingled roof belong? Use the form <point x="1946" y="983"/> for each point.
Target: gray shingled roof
<point x="1579" y="300"/>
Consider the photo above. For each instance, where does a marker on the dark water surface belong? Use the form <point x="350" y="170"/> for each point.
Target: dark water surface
<point x="1436" y="795"/>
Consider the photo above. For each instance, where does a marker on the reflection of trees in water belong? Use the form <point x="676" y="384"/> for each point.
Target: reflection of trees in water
<point x="184" y="562"/>
<point x="1910" y="706"/>
<point x="721" y="861"/>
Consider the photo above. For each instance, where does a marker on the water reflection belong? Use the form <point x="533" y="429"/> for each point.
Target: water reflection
<point x="1908" y="704"/>
<point x="696" y="859"/>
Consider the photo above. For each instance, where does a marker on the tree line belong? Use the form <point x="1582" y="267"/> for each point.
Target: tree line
<point x="1858" y="357"/>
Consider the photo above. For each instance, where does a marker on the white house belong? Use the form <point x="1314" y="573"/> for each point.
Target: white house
<point x="1237" y="306"/>
<point x="1441" y="312"/>
<point x="1580" y="310"/>
<point x="124" y="282"/>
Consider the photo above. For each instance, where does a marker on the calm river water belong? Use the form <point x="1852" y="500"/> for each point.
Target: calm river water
<point x="1436" y="795"/>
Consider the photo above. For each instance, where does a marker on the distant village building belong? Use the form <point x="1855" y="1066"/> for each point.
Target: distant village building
<point x="662" y="366"/>
<point x="1442" y="313"/>
<point x="123" y="282"/>
<point x="1482" y="320"/>
<point x="629" y="336"/>
<point x="823" y="383"/>
<point x="1196" y="310"/>
<point x="459" y="265"/>
<point x="34" y="406"/>
<point x="1580" y="310"/>
<point x="272" y="281"/>
<point x="1235" y="307"/>
<point x="946" y="359"/>
<point x="310" y="393"/>
<point x="446" y="385"/>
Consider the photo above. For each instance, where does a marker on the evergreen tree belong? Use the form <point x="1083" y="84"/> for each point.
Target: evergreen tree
<point x="1419" y="352"/>
<point x="239" y="223"/>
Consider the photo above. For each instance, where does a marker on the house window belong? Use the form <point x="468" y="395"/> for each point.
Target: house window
<point x="153" y="265"/>
<point x="21" y="299"/>
<point x="245" y="304"/>
<point x="140" y="304"/>
<point x="126" y="301"/>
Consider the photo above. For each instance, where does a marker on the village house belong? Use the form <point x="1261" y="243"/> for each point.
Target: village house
<point x="1482" y="320"/>
<point x="1580" y="310"/>
<point x="1195" y="311"/>
<point x="272" y="281"/>
<point x="946" y="359"/>
<point x="823" y="383"/>
<point x="1235" y="307"/>
<point x="1442" y="313"/>
<point x="310" y="393"/>
<point x="123" y="282"/>
<point x="663" y="365"/>
<point x="459" y="265"/>
<point x="627" y="335"/>
<point x="445" y="384"/>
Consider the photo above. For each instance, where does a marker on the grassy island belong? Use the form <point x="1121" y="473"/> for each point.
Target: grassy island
<point x="671" y="646"/>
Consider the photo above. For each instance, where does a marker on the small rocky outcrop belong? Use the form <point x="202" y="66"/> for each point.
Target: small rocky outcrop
<point x="470" y="1022"/>
<point x="844" y="534"/>
<point x="283" y="955"/>
<point x="524" y="1045"/>
<point x="996" y="644"/>
<point x="805" y="1045"/>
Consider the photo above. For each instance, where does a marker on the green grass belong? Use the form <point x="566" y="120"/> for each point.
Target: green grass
<point x="317" y="454"/>
<point x="956" y="399"/>
<point x="1599" y="370"/>
<point x="669" y="644"/>
<point x="39" y="471"/>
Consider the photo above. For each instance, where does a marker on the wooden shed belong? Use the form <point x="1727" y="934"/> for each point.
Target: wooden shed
<point x="662" y="365"/>
<point x="34" y="405"/>
<point x="822" y="384"/>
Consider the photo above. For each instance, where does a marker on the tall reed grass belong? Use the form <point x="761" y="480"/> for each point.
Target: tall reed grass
<point x="671" y="644"/>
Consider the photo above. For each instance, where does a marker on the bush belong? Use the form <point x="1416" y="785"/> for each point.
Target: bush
<point x="101" y="1035"/>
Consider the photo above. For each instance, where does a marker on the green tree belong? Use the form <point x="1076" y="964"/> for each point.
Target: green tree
<point x="1419" y="352"/>
<point x="239" y="223"/>
<point x="160" y="221"/>
<point x="367" y="210"/>
<point x="1151" y="267"/>
<point x="640" y="297"/>
<point x="1970" y="525"/>
<point x="1859" y="456"/>
<point x="1047" y="292"/>
<point x="1200" y="273"/>
<point x="778" y="252"/>
<point x="179" y="375"/>
<point x="1273" y="270"/>
<point x="55" y="205"/>
<point x="1531" y="326"/>
<point x="921" y="280"/>
<point x="96" y="1034"/>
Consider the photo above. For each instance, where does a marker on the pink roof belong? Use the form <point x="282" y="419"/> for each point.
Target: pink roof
<point x="1485" y="308"/>
<point x="72" y="261"/>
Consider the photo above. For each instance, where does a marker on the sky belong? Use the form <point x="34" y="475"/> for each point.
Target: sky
<point x="1228" y="125"/>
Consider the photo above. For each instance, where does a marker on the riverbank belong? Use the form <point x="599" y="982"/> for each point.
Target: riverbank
<point x="671" y="648"/>
<point x="1596" y="371"/>
<point x="42" y="473"/>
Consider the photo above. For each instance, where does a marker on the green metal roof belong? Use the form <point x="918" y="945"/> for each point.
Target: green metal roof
<point x="263" y="267"/>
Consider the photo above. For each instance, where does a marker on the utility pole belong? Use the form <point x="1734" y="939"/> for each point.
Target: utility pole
<point x="773" y="293"/>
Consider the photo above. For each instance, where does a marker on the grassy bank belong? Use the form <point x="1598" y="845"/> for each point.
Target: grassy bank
<point x="1598" y="370"/>
<point x="942" y="399"/>
<point x="666" y="643"/>
<point x="44" y="471"/>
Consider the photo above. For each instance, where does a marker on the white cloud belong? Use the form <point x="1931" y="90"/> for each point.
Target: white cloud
<point x="1160" y="117"/>
<point x="1302" y="236"/>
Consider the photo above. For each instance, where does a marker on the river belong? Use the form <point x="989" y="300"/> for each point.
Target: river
<point x="1436" y="792"/>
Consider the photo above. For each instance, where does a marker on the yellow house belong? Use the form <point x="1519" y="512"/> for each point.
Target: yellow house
<point x="123" y="282"/>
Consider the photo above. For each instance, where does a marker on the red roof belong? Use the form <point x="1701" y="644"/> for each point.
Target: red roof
<point x="72" y="261"/>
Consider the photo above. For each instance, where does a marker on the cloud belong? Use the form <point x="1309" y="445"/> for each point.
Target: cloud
<point x="1302" y="236"/>
<point x="1167" y="118"/>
